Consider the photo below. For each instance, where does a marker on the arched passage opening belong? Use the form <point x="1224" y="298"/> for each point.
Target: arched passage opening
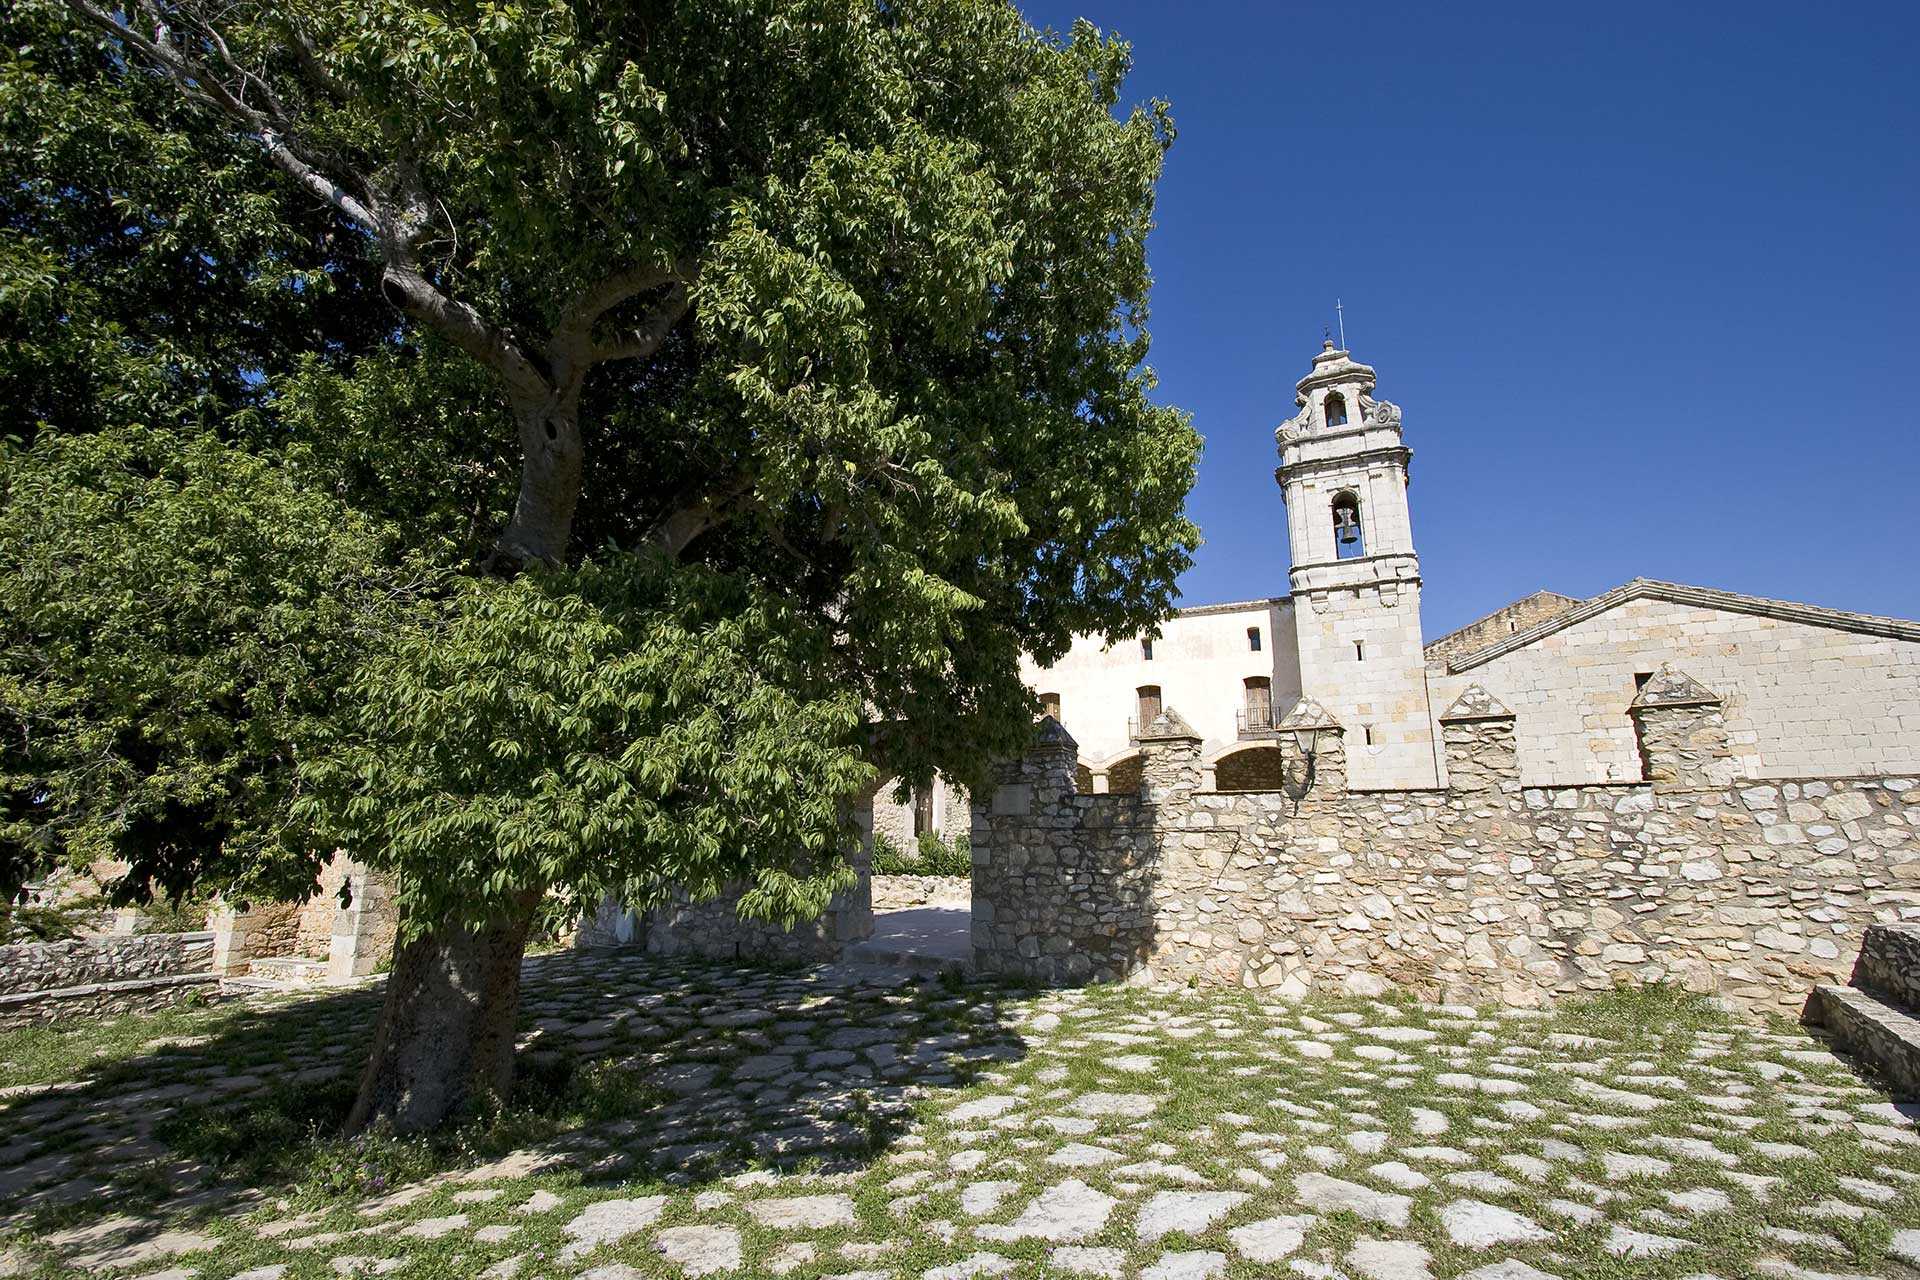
<point x="1252" y="768"/>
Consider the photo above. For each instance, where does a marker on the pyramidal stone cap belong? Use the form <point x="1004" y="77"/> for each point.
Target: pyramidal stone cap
<point x="1475" y="703"/>
<point x="1307" y="714"/>
<point x="1670" y="688"/>
<point x="1168" y="724"/>
<point x="1051" y="733"/>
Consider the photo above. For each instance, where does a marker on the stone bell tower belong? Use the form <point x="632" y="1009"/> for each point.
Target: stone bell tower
<point x="1355" y="578"/>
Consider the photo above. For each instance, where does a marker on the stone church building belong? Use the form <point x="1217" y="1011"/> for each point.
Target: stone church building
<point x="1805" y="691"/>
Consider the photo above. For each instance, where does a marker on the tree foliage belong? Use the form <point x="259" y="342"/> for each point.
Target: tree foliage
<point x="654" y="422"/>
<point x="178" y="619"/>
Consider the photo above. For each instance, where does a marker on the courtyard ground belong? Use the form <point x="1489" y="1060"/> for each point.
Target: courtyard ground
<point x="705" y="1121"/>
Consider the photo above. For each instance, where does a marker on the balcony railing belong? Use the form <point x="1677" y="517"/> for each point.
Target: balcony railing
<point x="1254" y="722"/>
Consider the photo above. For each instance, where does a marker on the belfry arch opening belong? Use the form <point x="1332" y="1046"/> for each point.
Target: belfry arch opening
<point x="1348" y="540"/>
<point x="1336" y="409"/>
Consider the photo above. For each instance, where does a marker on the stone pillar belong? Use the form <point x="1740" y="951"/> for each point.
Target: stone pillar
<point x="1328" y="771"/>
<point x="1479" y="737"/>
<point x="1170" y="769"/>
<point x="233" y="938"/>
<point x="1682" y="733"/>
<point x="1052" y="763"/>
<point x="363" y="930"/>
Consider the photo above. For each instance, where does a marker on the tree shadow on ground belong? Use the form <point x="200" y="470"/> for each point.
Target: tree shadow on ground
<point x="631" y="1070"/>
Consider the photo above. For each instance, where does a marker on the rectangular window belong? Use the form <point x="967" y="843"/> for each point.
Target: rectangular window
<point x="1367" y="729"/>
<point x="1146" y="650"/>
<point x="1253" y="639"/>
<point x="1359" y="650"/>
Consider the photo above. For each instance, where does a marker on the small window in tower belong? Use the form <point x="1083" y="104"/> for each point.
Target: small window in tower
<point x="1253" y="639"/>
<point x="1146" y="651"/>
<point x="1050" y="705"/>
<point x="1336" y="410"/>
<point x="1359" y="650"/>
<point x="1367" y="729"/>
<point x="1148" y="698"/>
<point x="1348" y="542"/>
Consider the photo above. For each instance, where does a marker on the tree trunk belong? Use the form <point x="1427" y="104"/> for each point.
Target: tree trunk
<point x="552" y="459"/>
<point x="445" y="1036"/>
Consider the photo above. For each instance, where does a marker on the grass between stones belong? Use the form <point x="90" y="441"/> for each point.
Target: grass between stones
<point x="945" y="1131"/>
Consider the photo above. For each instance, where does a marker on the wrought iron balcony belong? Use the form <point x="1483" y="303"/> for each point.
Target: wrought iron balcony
<point x="1254" y="722"/>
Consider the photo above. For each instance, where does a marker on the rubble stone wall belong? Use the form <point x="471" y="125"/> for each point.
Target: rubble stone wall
<point x="713" y="929"/>
<point x="1889" y="963"/>
<point x="46" y="966"/>
<point x="1753" y="891"/>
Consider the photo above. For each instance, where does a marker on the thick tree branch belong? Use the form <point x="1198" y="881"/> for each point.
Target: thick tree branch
<point x="397" y="223"/>
<point x="403" y="286"/>
<point x="586" y="307"/>
<point x="645" y="338"/>
<point x="676" y="531"/>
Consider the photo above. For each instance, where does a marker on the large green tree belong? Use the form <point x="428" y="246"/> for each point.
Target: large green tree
<point x="810" y="334"/>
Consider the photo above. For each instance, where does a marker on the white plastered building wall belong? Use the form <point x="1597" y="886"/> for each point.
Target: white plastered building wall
<point x="1202" y="660"/>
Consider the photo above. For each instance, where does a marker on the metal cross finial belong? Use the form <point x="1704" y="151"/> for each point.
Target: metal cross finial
<point x="1341" y="315"/>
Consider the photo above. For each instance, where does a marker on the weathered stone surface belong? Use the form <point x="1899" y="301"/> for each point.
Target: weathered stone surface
<point x="1189" y="1211"/>
<point x="1475" y="1224"/>
<point x="700" y="1250"/>
<point x="1318" y="1191"/>
<point x="809" y="1213"/>
<point x="1067" y="1212"/>
<point x="608" y="1221"/>
<point x="1488" y="890"/>
<point x="1271" y="1239"/>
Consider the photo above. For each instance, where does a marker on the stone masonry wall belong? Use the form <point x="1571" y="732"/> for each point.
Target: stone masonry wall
<point x="1062" y="882"/>
<point x="1752" y="891"/>
<point x="46" y="966"/>
<point x="1889" y="963"/>
<point x="50" y="982"/>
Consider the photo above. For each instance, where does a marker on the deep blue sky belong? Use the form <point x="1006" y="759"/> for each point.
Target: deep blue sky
<point x="1643" y="280"/>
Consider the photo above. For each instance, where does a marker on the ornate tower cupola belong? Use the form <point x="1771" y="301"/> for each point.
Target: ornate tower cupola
<point x="1355" y="577"/>
<point x="1344" y="473"/>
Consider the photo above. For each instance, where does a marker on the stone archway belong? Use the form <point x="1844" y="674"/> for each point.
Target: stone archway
<point x="1256" y="767"/>
<point x="1123" y="775"/>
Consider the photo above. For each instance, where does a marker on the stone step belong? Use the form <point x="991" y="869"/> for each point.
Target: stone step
<point x="897" y="956"/>
<point x="1889" y="963"/>
<point x="1879" y="1032"/>
<point x="288" y="969"/>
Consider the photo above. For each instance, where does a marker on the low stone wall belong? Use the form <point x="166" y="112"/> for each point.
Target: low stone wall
<point x="714" y="930"/>
<point x="898" y="893"/>
<point x="42" y="982"/>
<point x="1889" y="963"/>
<point x="1062" y="882"/>
<point x="1752" y="891"/>
<point x="105" y="999"/>
<point x="44" y="966"/>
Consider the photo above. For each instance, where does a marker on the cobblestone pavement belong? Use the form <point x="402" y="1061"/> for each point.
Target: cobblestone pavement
<point x="842" y="1124"/>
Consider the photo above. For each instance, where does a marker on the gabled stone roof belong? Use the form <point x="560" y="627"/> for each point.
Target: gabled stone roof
<point x="1670" y="688"/>
<point x="1168" y="724"/>
<point x="1051" y="733"/>
<point x="1475" y="703"/>
<point x="1699" y="597"/>
<point x="1307" y="714"/>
